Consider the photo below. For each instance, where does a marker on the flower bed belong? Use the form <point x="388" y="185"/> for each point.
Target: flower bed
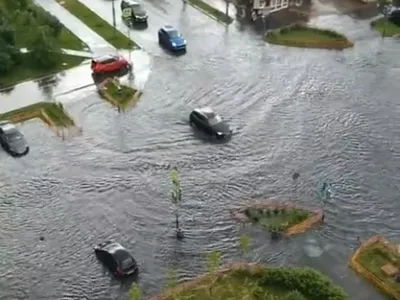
<point x="308" y="37"/>
<point x="373" y="258"/>
<point x="278" y="218"/>
<point x="118" y="95"/>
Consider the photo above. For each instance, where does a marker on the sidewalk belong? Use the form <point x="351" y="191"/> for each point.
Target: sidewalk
<point x="96" y="43"/>
<point x="31" y="92"/>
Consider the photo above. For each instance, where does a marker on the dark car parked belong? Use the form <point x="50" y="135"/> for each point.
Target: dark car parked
<point x="12" y="140"/>
<point x="133" y="11"/>
<point x="206" y="120"/>
<point x="116" y="258"/>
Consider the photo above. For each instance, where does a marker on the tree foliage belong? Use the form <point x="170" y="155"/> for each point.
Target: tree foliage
<point x="23" y="24"/>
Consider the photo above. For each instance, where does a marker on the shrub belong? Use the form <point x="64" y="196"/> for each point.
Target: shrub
<point x="312" y="284"/>
<point x="6" y="63"/>
<point x="294" y="295"/>
<point x="276" y="210"/>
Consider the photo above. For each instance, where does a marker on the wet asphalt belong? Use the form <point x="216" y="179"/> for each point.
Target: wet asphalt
<point x="331" y="116"/>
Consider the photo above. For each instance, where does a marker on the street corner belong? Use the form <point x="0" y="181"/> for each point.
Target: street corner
<point x="141" y="67"/>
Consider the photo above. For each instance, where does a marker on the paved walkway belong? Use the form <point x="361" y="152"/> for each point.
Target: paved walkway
<point x="95" y="42"/>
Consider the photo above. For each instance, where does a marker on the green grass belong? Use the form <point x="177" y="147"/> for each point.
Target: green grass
<point x="385" y="27"/>
<point x="308" y="37"/>
<point x="98" y="24"/>
<point x="55" y="112"/>
<point x="211" y="10"/>
<point x="280" y="219"/>
<point x="261" y="284"/>
<point x="123" y="96"/>
<point x="374" y="257"/>
<point x="70" y="41"/>
<point x="25" y="71"/>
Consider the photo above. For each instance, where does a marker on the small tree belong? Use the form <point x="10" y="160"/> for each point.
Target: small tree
<point x="176" y="195"/>
<point x="6" y="63"/>
<point x="135" y="293"/>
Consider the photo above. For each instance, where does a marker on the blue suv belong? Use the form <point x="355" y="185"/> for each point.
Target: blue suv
<point x="171" y="38"/>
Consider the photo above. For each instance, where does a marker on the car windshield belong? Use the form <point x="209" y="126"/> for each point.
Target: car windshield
<point x="14" y="136"/>
<point x="173" y="34"/>
<point x="215" y="120"/>
<point x="137" y="8"/>
<point x="124" y="259"/>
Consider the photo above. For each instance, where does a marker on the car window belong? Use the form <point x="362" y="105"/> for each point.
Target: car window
<point x="109" y="60"/>
<point x="122" y="257"/>
<point x="215" y="120"/>
<point x="137" y="8"/>
<point x="126" y="263"/>
<point x="173" y="34"/>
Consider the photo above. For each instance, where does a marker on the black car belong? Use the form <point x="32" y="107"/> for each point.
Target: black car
<point x="12" y="140"/>
<point x="116" y="258"/>
<point x="133" y="11"/>
<point x="209" y="122"/>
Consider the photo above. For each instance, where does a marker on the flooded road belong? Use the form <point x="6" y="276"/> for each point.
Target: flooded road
<point x="328" y="115"/>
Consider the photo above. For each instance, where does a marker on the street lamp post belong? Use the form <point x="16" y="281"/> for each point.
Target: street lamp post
<point x="113" y="13"/>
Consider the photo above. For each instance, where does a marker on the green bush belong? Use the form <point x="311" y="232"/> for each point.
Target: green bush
<point x="294" y="295"/>
<point x="310" y="283"/>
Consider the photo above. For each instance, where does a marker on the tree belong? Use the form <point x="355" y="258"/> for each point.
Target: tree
<point x="6" y="63"/>
<point x="135" y="293"/>
<point x="7" y="35"/>
<point x="176" y="195"/>
<point x="44" y="49"/>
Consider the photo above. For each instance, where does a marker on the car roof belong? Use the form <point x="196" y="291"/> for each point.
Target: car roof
<point x="7" y="126"/>
<point x="206" y="111"/>
<point x="168" y="28"/>
<point x="131" y="2"/>
<point x="105" y="57"/>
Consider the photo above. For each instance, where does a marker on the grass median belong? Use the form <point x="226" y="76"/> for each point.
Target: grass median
<point x="207" y="8"/>
<point x="53" y="114"/>
<point x="98" y="24"/>
<point x="385" y="27"/>
<point x="308" y="37"/>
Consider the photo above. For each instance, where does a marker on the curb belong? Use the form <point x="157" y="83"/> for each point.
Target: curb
<point x="206" y="12"/>
<point x="74" y="90"/>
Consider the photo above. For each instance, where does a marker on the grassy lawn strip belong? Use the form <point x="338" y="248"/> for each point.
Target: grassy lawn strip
<point x="308" y="37"/>
<point x="258" y="283"/>
<point x="25" y="71"/>
<point x="211" y="10"/>
<point x="122" y="97"/>
<point x="385" y="27"/>
<point x="54" y="111"/>
<point x="374" y="257"/>
<point x="98" y="24"/>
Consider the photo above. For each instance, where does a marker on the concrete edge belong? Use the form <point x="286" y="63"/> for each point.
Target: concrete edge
<point x="207" y="13"/>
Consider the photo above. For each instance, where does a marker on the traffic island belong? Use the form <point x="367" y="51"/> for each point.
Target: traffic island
<point x="210" y="11"/>
<point x="254" y="281"/>
<point x="277" y="218"/>
<point x="98" y="24"/>
<point x="121" y="96"/>
<point x="308" y="37"/>
<point x="53" y="114"/>
<point x="385" y="27"/>
<point x="378" y="261"/>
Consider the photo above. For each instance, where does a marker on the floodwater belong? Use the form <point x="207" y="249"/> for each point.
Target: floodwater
<point x="331" y="116"/>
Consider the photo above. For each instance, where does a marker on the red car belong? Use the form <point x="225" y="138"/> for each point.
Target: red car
<point x="109" y="63"/>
